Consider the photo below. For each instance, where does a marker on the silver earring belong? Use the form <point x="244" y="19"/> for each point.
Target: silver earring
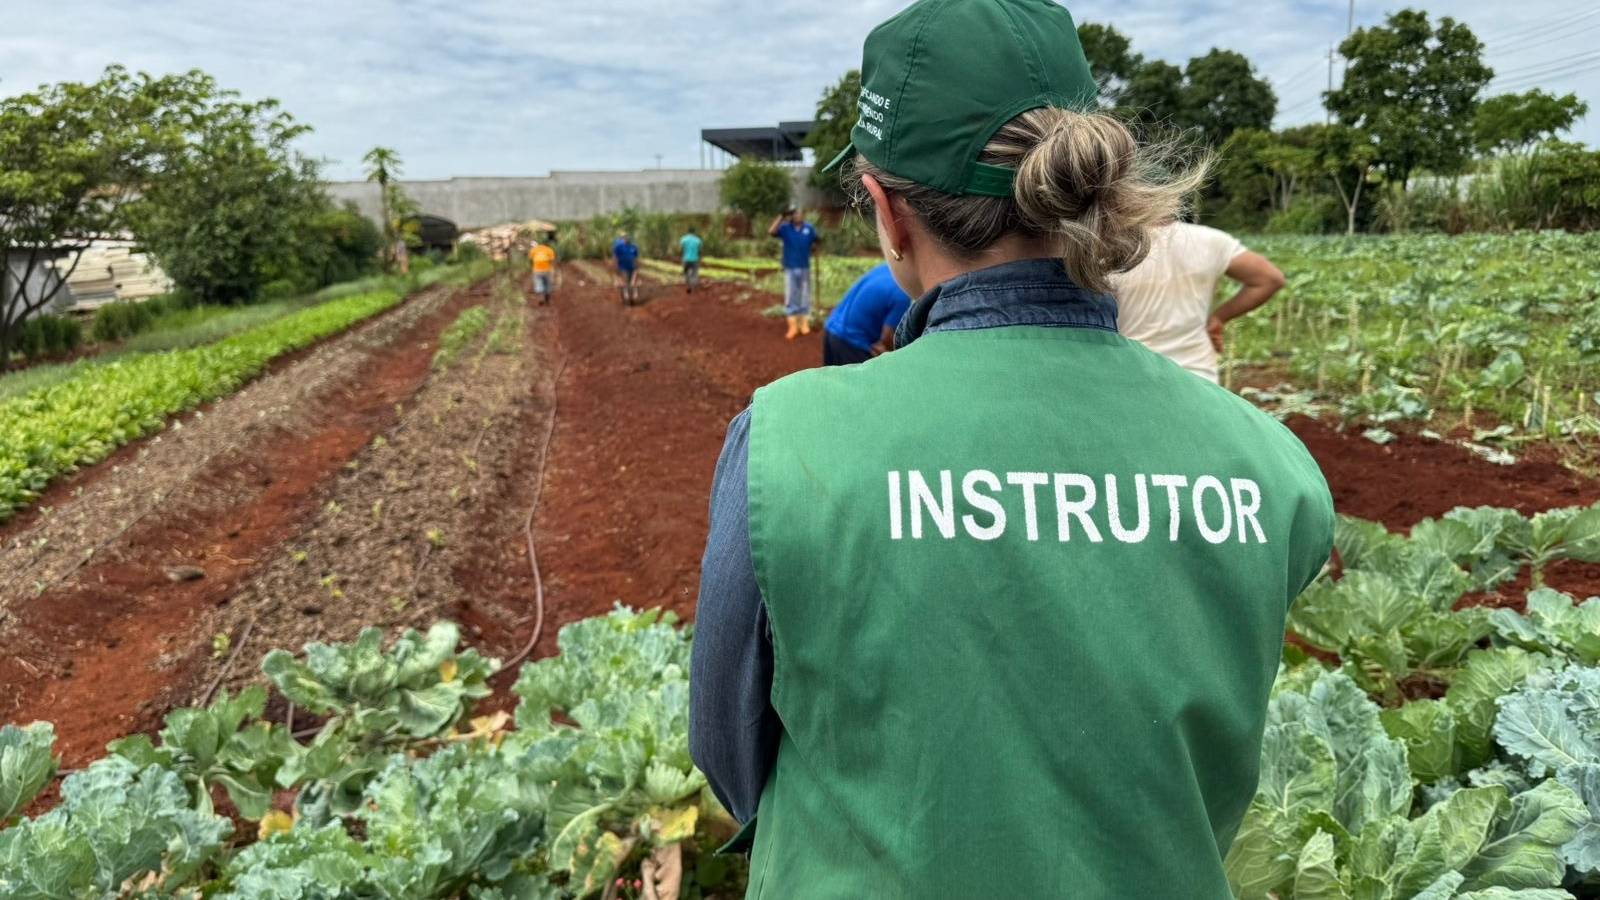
<point x="895" y="254"/>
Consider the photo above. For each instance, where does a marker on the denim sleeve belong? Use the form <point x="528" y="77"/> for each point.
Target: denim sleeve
<point x="733" y="729"/>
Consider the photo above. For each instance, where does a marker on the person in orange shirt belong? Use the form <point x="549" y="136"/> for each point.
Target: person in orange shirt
<point x="542" y="257"/>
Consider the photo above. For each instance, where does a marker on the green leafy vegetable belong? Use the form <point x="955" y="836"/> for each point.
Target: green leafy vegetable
<point x="115" y="822"/>
<point x="210" y="747"/>
<point x="1553" y="624"/>
<point x="58" y="429"/>
<point x="26" y="765"/>
<point x="418" y="688"/>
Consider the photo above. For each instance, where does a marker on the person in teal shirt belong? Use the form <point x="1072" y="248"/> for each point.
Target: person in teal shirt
<point x="689" y="249"/>
<point x="998" y="614"/>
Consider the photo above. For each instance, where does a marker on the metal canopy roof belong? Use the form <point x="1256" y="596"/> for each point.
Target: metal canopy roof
<point x="785" y="143"/>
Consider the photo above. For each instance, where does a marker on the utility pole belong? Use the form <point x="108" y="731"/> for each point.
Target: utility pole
<point x="1327" y="107"/>
<point x="1349" y="29"/>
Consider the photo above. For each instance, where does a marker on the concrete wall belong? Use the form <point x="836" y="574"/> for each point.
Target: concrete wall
<point x="481" y="202"/>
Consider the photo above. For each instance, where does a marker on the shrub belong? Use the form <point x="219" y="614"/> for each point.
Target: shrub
<point x="341" y="245"/>
<point x="123" y="319"/>
<point x="758" y="189"/>
<point x="282" y="289"/>
<point x="63" y="333"/>
<point x="467" y="252"/>
<point x="1309" y="215"/>
<point x="47" y="335"/>
<point x="1511" y="193"/>
<point x="1574" y="175"/>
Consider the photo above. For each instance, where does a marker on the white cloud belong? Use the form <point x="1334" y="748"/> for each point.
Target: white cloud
<point x="486" y="87"/>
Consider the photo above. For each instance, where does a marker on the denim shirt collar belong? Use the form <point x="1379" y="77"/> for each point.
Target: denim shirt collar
<point x="1027" y="292"/>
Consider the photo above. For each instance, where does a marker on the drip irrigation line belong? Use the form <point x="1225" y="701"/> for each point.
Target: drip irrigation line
<point x="538" y="493"/>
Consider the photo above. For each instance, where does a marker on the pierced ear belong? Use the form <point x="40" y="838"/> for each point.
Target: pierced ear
<point x="889" y="211"/>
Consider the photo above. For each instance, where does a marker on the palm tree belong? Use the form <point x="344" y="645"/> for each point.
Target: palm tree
<point x="383" y="165"/>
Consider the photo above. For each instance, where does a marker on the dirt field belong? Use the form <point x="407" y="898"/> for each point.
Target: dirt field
<point x="356" y="485"/>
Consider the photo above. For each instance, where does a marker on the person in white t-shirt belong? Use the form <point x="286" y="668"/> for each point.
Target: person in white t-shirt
<point x="1166" y="301"/>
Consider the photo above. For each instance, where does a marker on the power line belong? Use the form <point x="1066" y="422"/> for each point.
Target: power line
<point x="1550" y="64"/>
<point x="1299" y="107"/>
<point x="1536" y="80"/>
<point x="1537" y="42"/>
<point x="1284" y="85"/>
<point x="1557" y="23"/>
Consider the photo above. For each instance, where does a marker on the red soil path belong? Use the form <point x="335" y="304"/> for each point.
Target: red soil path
<point x="644" y="402"/>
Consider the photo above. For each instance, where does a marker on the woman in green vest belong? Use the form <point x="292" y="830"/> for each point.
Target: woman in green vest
<point x="997" y="614"/>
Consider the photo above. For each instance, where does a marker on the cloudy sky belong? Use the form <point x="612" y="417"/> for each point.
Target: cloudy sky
<point x="521" y="87"/>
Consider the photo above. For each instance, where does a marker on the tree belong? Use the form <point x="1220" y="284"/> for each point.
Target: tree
<point x="341" y="245"/>
<point x="1240" y="195"/>
<point x="384" y="166"/>
<point x="1414" y="88"/>
<point x="836" y="116"/>
<point x="1572" y="173"/>
<point x="1513" y="123"/>
<point x="1216" y="95"/>
<point x="1222" y="94"/>
<point x="72" y="156"/>
<point x="1153" y="98"/>
<point x="1111" y="60"/>
<point x="1346" y="157"/>
<point x="757" y="189"/>
<point x="236" y="207"/>
<point x="1289" y="158"/>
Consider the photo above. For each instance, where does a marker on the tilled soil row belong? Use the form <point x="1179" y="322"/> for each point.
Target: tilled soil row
<point x="175" y="528"/>
<point x="645" y="399"/>
<point x="42" y="547"/>
<point x="410" y="530"/>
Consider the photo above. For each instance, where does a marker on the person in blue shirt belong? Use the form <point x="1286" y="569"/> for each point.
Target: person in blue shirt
<point x="625" y="255"/>
<point x="862" y="325"/>
<point x="689" y="250"/>
<point x="799" y="244"/>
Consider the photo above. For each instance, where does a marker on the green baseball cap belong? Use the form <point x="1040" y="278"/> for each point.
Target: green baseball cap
<point x="939" y="79"/>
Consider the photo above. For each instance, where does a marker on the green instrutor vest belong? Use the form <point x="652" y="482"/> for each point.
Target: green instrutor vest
<point x="1027" y="590"/>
